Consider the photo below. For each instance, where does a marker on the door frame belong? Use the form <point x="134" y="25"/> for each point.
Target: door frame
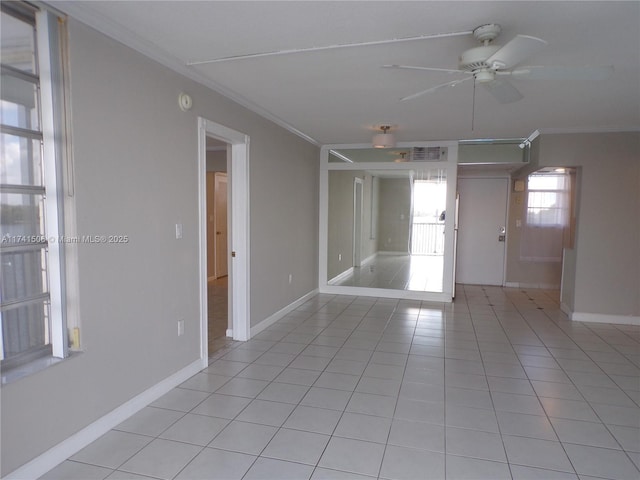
<point x="239" y="271"/>
<point x="358" y="201"/>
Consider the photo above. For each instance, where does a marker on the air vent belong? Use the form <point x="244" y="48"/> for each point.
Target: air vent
<point x="428" y="154"/>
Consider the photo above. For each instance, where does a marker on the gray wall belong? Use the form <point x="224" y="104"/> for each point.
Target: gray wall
<point x="607" y="244"/>
<point x="395" y="215"/>
<point x="490" y="153"/>
<point x="135" y="159"/>
<point x="216" y="161"/>
<point x="525" y="272"/>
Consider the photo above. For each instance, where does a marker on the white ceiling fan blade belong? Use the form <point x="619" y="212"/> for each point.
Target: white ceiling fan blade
<point x="428" y="69"/>
<point x="502" y="90"/>
<point x="433" y="89"/>
<point x="329" y="47"/>
<point x="515" y="52"/>
<point x="564" y="73"/>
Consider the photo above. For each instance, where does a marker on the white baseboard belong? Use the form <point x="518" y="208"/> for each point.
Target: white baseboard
<point x="604" y="318"/>
<point x="369" y="259"/>
<point x="76" y="442"/>
<point x="271" y="319"/>
<point x="544" y="286"/>
<point x="342" y="276"/>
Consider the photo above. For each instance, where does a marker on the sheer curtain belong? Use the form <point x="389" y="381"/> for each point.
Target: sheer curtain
<point x="547" y="216"/>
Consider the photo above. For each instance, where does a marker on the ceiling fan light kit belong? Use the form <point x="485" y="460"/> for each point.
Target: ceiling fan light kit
<point x="384" y="139"/>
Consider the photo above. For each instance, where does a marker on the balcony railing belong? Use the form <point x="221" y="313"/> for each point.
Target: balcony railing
<point x="427" y="238"/>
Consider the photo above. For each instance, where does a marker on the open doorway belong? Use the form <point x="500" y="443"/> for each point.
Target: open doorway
<point x="236" y="158"/>
<point x="217" y="241"/>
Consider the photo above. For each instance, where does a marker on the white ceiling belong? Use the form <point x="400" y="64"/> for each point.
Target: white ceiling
<point x="338" y="96"/>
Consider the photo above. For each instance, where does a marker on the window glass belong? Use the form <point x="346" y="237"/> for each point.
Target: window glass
<point x="22" y="216"/>
<point x="23" y="275"/>
<point x="19" y="103"/>
<point x="21" y="163"/>
<point x="25" y="328"/>
<point x="18" y="45"/>
<point x="548" y="200"/>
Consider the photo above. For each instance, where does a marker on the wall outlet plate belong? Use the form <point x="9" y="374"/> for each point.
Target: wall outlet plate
<point x="518" y="185"/>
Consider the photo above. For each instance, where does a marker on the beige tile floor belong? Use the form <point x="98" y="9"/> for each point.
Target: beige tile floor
<point x="218" y="310"/>
<point x="498" y="385"/>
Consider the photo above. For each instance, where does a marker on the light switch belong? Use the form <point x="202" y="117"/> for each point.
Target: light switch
<point x="178" y="231"/>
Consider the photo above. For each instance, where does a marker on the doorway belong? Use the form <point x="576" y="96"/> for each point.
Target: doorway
<point x="236" y="160"/>
<point x="217" y="241"/>
<point x="482" y="230"/>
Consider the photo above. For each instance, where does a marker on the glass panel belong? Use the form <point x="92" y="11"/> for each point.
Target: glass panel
<point x="388" y="155"/>
<point x="406" y="251"/>
<point x="18" y="46"/>
<point x="21" y="163"/>
<point x="22" y="217"/>
<point x="25" y="328"/>
<point x="19" y="103"/>
<point x="23" y="275"/>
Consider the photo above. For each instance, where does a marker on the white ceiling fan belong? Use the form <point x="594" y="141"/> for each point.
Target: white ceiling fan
<point x="490" y="65"/>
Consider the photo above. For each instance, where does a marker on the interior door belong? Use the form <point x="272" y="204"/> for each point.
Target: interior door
<point x="211" y="229"/>
<point x="481" y="230"/>
<point x="220" y="224"/>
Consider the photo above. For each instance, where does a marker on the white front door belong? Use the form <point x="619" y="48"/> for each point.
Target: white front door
<point x="481" y="236"/>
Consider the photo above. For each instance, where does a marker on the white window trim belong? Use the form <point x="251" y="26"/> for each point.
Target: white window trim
<point x="52" y="162"/>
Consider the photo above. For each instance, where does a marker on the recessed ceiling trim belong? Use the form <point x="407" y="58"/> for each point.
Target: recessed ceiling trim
<point x="612" y="129"/>
<point x="106" y="26"/>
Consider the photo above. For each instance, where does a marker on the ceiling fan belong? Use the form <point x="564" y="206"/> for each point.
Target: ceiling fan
<point x="490" y="65"/>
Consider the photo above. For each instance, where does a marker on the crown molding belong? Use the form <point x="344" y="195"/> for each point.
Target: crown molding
<point x="83" y="13"/>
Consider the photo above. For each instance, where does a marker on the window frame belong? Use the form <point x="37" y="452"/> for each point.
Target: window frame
<point x="565" y="191"/>
<point x="48" y="78"/>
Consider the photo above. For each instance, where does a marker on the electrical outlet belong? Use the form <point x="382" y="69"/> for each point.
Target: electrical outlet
<point x="290" y="278"/>
<point x="180" y="328"/>
<point x="339" y="257"/>
<point x="178" y="231"/>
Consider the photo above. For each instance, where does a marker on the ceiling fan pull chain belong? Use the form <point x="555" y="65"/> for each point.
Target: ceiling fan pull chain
<point x="473" y="105"/>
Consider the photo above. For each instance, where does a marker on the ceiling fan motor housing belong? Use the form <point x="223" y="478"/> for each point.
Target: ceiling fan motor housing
<point x="474" y="60"/>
